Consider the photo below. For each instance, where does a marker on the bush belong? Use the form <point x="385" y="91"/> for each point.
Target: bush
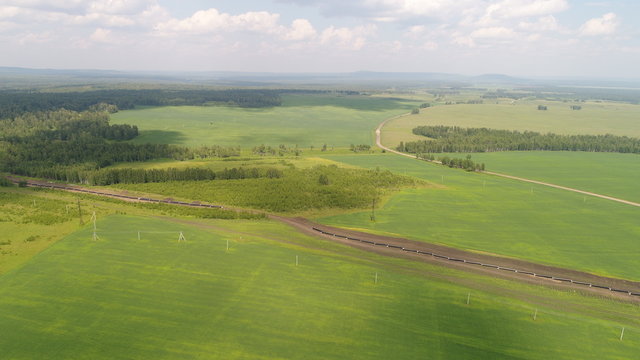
<point x="5" y="182"/>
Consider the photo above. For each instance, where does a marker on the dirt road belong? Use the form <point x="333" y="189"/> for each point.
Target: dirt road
<point x="486" y="264"/>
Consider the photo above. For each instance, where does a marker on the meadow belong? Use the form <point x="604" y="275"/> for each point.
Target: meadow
<point x="611" y="174"/>
<point x="490" y="214"/>
<point x="594" y="118"/>
<point x="120" y="297"/>
<point x="303" y="120"/>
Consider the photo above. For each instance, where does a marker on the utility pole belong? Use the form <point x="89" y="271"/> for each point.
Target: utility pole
<point x="80" y="212"/>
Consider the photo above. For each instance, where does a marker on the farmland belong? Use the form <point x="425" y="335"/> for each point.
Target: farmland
<point x="303" y="120"/>
<point x="489" y="214"/>
<point x="138" y="292"/>
<point x="594" y="118"/>
<point x="609" y="174"/>
<point x="155" y="297"/>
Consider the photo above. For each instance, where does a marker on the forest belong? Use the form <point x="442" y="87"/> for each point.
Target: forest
<point x="139" y="176"/>
<point x="62" y="144"/>
<point x="15" y="103"/>
<point x="447" y="139"/>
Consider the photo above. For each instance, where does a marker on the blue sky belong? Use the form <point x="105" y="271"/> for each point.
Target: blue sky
<point x="516" y="37"/>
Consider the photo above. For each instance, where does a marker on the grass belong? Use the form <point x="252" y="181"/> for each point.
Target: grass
<point x="30" y="223"/>
<point x="310" y="159"/>
<point x="157" y="298"/>
<point x="609" y="174"/>
<point x="31" y="220"/>
<point x="298" y="190"/>
<point x="304" y="120"/>
<point x="594" y="118"/>
<point x="490" y="214"/>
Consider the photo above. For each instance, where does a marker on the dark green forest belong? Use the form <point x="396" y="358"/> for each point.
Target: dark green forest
<point x="16" y="103"/>
<point x="111" y="176"/>
<point x="448" y="139"/>
<point x="61" y="144"/>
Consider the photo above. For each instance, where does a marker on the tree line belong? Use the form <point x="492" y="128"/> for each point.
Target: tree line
<point x="15" y="103"/>
<point x="447" y="139"/>
<point x="466" y="163"/>
<point x="299" y="189"/>
<point x="110" y="176"/>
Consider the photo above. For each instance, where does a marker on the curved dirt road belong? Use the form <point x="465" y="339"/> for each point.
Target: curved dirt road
<point x="487" y="264"/>
<point x="379" y="143"/>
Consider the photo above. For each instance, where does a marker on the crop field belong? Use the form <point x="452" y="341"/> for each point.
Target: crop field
<point x="120" y="297"/>
<point x="594" y="118"/>
<point x="611" y="174"/>
<point x="490" y="214"/>
<point x="303" y="120"/>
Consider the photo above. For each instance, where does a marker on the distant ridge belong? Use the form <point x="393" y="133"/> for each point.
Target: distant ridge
<point x="356" y="78"/>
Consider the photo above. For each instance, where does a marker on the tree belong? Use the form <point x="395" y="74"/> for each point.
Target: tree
<point x="415" y="111"/>
<point x="323" y="179"/>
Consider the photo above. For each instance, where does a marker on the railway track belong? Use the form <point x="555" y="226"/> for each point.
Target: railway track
<point x="121" y="196"/>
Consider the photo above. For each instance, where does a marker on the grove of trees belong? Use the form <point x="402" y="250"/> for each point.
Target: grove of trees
<point x="448" y="139"/>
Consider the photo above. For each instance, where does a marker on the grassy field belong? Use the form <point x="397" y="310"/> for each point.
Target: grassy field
<point x="297" y="192"/>
<point x="594" y="118"/>
<point x="121" y="297"/>
<point x="304" y="120"/>
<point x="610" y="174"/>
<point x="490" y="214"/>
<point x="247" y="159"/>
<point x="31" y="222"/>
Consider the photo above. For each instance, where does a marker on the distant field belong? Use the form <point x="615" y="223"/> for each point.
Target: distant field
<point x="121" y="297"/>
<point x="612" y="174"/>
<point x="594" y="118"/>
<point x="303" y="120"/>
<point x="506" y="217"/>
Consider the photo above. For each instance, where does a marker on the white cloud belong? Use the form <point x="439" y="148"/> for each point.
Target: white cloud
<point x="347" y="38"/>
<point x="430" y="45"/>
<point x="388" y="10"/>
<point x="525" y="8"/>
<point x="301" y="29"/>
<point x="101" y="35"/>
<point x="121" y="7"/>
<point x="605" y="25"/>
<point x="109" y="13"/>
<point x="35" y="38"/>
<point x="212" y="21"/>
<point x="496" y="32"/>
<point x="463" y="40"/>
<point x="546" y="23"/>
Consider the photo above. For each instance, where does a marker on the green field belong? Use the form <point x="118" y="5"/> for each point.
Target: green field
<point x="303" y="120"/>
<point x="297" y="192"/>
<point x="611" y="174"/>
<point x="594" y="118"/>
<point x="121" y="297"/>
<point x="490" y="214"/>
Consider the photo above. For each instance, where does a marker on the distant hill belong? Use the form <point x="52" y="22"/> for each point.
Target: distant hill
<point x="17" y="77"/>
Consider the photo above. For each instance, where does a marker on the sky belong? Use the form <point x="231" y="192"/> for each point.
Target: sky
<point x="535" y="38"/>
